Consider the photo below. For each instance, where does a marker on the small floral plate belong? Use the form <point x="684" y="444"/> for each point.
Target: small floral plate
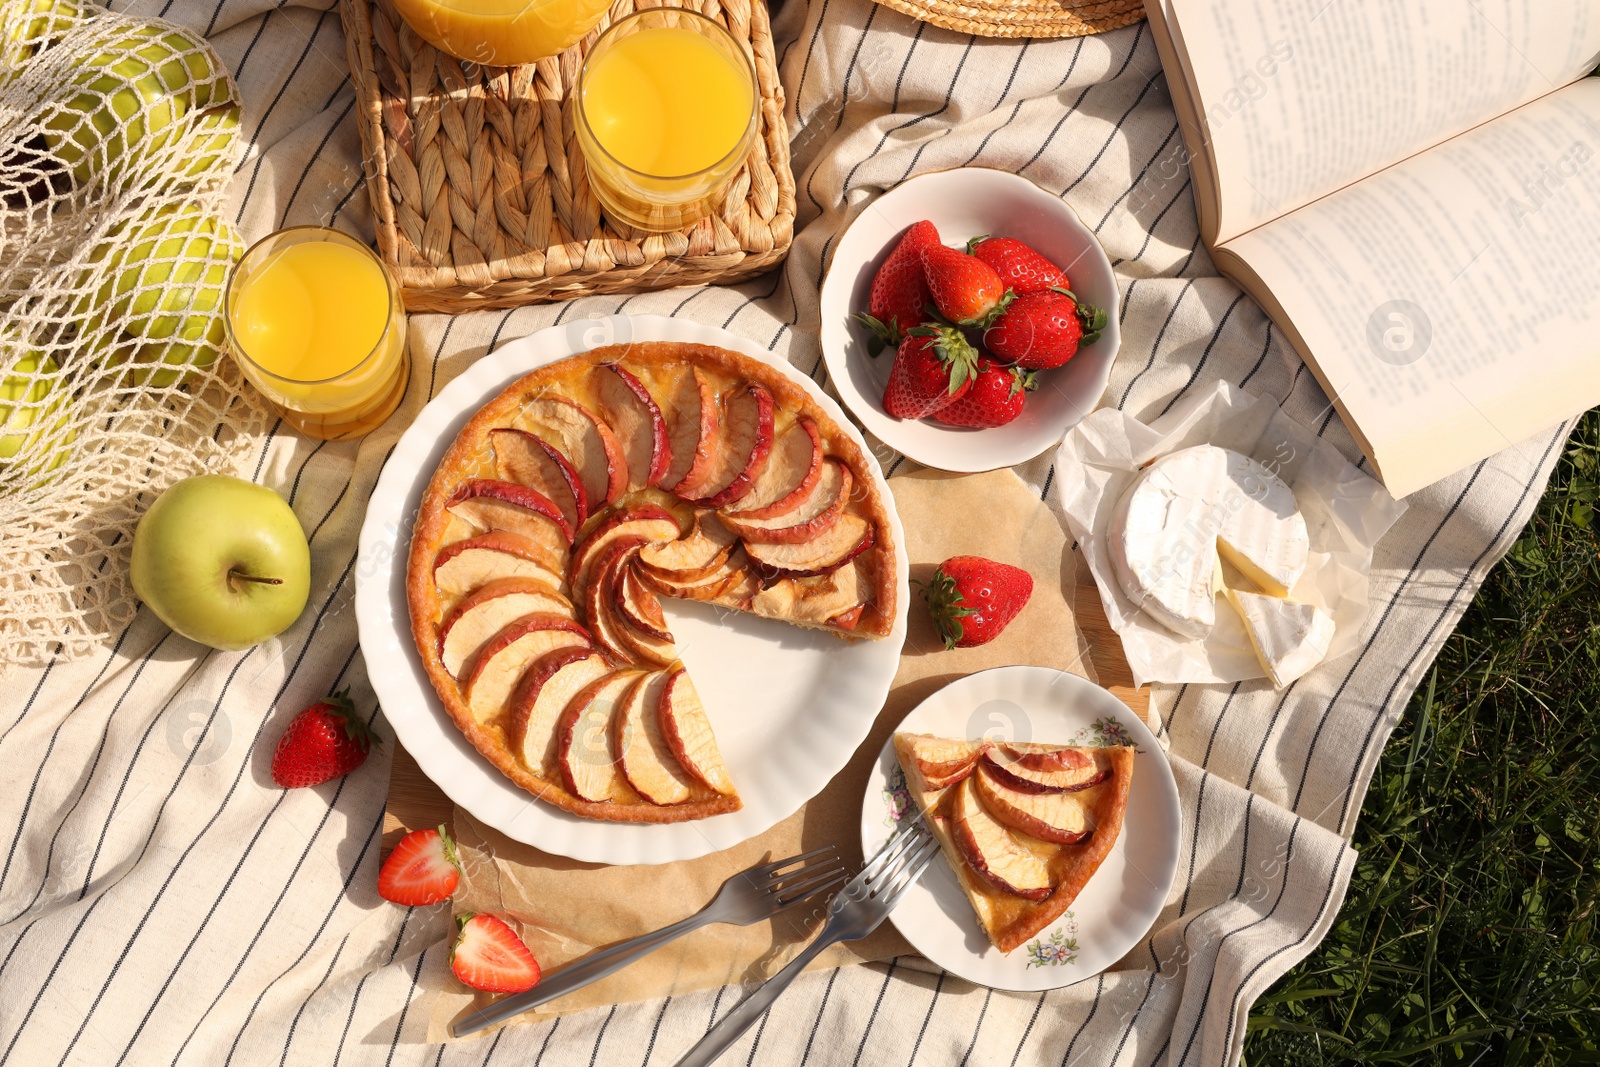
<point x="1121" y="902"/>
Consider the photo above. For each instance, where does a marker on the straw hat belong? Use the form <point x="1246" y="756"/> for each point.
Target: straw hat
<point x="1024" y="18"/>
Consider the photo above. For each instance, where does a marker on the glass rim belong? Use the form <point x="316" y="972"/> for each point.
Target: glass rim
<point x="237" y="349"/>
<point x="471" y="8"/>
<point x="740" y="148"/>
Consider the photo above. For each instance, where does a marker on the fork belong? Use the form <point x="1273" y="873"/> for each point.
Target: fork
<point x="748" y="897"/>
<point x="855" y="911"/>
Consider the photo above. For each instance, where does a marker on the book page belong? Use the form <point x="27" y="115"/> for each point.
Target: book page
<point x="1302" y="97"/>
<point x="1451" y="303"/>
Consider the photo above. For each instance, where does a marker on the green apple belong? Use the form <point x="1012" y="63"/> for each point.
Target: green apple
<point x="162" y="282"/>
<point x="129" y="98"/>
<point x="28" y="27"/>
<point x="35" y="434"/>
<point x="212" y="152"/>
<point x="222" y="561"/>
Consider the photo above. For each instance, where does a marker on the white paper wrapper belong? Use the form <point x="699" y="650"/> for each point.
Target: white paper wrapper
<point x="1346" y="512"/>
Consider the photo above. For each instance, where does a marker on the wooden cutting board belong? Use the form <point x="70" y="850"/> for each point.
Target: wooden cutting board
<point x="415" y="801"/>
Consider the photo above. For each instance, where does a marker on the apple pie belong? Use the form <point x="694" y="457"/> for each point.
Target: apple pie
<point x="577" y="499"/>
<point x="1024" y="826"/>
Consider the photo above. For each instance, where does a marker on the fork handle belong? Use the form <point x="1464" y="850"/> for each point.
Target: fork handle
<point x="733" y="1025"/>
<point x="577" y="975"/>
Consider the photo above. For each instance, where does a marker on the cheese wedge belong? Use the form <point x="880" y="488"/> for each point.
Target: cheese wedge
<point x="1184" y="510"/>
<point x="1289" y="637"/>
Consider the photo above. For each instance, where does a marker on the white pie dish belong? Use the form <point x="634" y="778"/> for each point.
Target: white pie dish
<point x="963" y="204"/>
<point x="817" y="695"/>
<point x="1121" y="901"/>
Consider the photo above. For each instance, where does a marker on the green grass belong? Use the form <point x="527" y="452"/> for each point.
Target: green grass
<point x="1469" y="932"/>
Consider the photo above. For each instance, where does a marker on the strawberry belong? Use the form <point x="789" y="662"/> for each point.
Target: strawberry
<point x="327" y="740"/>
<point x="933" y="368"/>
<point x="972" y="599"/>
<point x="1020" y="268"/>
<point x="899" y="291"/>
<point x="1043" y="330"/>
<point x="422" y="869"/>
<point x="488" y="955"/>
<point x="996" y="397"/>
<point x="965" y="289"/>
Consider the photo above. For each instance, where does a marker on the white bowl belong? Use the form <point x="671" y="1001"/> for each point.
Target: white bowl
<point x="963" y="204"/>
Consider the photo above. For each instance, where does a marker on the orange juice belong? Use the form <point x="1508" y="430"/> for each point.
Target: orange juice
<point x="501" y="33"/>
<point x="667" y="111"/>
<point x="315" y="323"/>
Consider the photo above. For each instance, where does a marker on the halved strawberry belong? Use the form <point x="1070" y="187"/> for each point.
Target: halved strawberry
<point x="422" y="869"/>
<point x="488" y="955"/>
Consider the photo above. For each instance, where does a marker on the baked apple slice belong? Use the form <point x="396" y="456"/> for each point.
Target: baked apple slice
<point x="688" y="732"/>
<point x="691" y="558"/>
<point x="528" y="459"/>
<point x="490" y="504"/>
<point x="844" y="540"/>
<point x="1006" y="764"/>
<point x="1055" y="817"/>
<point x="647" y="759"/>
<point x="990" y="850"/>
<point x="693" y="427"/>
<point x="639" y="606"/>
<point x="462" y="566"/>
<point x="604" y="599"/>
<point x="490" y="608"/>
<point x="793" y="467"/>
<point x="600" y="609"/>
<point x="588" y="443"/>
<point x="941" y="761"/>
<point x="645" y="523"/>
<point x="813" y="602"/>
<point x="714" y="584"/>
<point x="848" y="620"/>
<point x="588" y="763"/>
<point x="743" y="445"/>
<point x="500" y="662"/>
<point x="1047" y="757"/>
<point x="637" y="422"/>
<point x="544" y="692"/>
<point x="816" y="513"/>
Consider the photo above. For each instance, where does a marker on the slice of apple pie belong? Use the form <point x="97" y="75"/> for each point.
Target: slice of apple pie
<point x="571" y="503"/>
<point x="1024" y="826"/>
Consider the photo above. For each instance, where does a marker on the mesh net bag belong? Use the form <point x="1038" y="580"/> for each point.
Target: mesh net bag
<point x="117" y="138"/>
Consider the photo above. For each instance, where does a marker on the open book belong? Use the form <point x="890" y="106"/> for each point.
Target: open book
<point x="1412" y="192"/>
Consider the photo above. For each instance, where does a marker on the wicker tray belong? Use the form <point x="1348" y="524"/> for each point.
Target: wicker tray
<point x="1024" y="18"/>
<point x="479" y="191"/>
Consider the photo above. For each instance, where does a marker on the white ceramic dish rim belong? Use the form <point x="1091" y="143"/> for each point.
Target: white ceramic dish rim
<point x="413" y="709"/>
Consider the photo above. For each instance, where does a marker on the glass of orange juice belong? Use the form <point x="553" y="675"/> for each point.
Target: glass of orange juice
<point x="501" y="33"/>
<point x="316" y="324"/>
<point x="666" y="115"/>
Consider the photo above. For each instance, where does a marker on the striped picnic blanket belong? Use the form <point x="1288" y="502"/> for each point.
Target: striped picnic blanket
<point x="161" y="901"/>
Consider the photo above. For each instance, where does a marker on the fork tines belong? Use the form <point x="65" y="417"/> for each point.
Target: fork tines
<point x="816" y="870"/>
<point x="897" y="864"/>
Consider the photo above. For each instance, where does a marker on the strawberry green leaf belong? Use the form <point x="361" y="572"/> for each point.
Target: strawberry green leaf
<point x="946" y="605"/>
<point x="1093" y="320"/>
<point x="355" y="727"/>
<point x="880" y="335"/>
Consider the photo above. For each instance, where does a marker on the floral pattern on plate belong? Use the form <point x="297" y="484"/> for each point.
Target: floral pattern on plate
<point x="1060" y="947"/>
<point x="899" y="805"/>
